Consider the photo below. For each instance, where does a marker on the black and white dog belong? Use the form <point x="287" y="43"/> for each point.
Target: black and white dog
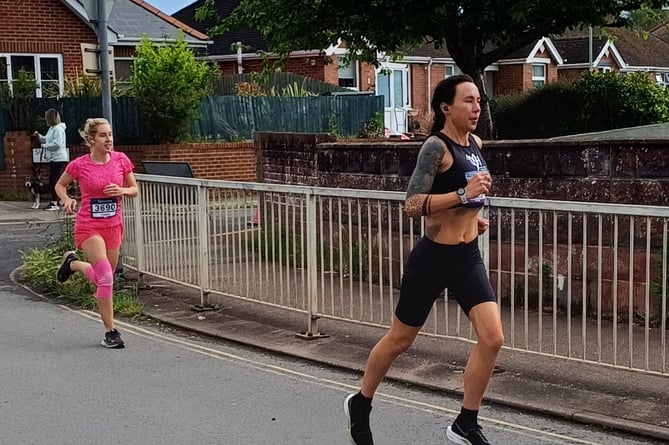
<point x="36" y="187"/>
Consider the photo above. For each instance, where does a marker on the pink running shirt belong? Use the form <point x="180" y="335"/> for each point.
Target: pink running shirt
<point x="98" y="210"/>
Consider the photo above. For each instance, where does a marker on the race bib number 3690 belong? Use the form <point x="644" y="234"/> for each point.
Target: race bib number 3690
<point x="104" y="207"/>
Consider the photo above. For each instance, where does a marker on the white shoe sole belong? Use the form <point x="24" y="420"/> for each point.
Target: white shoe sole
<point x="456" y="438"/>
<point x="119" y="346"/>
<point x="347" y="413"/>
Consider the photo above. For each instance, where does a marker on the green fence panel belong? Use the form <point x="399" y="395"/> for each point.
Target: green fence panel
<point x="221" y="117"/>
<point x="126" y="118"/>
<point x="228" y="117"/>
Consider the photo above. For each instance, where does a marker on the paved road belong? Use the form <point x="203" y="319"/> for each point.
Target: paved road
<point x="58" y="386"/>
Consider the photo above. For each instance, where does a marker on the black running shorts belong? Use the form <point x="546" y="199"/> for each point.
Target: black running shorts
<point x="431" y="268"/>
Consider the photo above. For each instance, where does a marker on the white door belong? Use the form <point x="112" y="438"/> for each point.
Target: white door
<point x="392" y="84"/>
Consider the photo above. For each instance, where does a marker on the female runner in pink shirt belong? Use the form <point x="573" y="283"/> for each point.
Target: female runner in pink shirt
<point x="104" y="177"/>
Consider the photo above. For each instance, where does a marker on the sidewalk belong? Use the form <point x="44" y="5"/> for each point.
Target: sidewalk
<point x="629" y="401"/>
<point x="20" y="211"/>
<point x="612" y="398"/>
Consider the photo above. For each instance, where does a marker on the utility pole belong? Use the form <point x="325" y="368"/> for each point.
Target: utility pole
<point x="104" y="61"/>
<point x="590" y="48"/>
<point x="98" y="13"/>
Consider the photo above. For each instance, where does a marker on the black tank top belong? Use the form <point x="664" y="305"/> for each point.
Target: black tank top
<point x="467" y="161"/>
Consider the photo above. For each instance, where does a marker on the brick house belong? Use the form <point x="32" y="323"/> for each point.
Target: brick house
<point x="624" y="52"/>
<point x="407" y="84"/>
<point x="54" y="39"/>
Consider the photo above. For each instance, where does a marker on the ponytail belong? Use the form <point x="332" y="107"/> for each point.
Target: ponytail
<point x="439" y="122"/>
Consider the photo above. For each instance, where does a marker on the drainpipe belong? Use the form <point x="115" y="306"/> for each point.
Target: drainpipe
<point x="590" y="48"/>
<point x="429" y="81"/>
<point x="240" y="68"/>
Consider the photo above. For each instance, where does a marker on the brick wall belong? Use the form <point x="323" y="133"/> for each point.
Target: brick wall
<point x="508" y="80"/>
<point x="44" y="26"/>
<point x="623" y="172"/>
<point x="234" y="161"/>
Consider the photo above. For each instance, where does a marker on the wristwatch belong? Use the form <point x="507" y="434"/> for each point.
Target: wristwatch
<point x="462" y="195"/>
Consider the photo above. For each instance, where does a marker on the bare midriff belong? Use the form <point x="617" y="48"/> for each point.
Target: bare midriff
<point x="453" y="226"/>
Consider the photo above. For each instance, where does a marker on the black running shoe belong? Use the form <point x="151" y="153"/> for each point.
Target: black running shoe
<point x="473" y="436"/>
<point x="64" y="270"/>
<point x="113" y="340"/>
<point x="357" y="421"/>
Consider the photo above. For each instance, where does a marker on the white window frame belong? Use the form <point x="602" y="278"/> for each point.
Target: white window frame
<point x="356" y="74"/>
<point x="123" y="84"/>
<point x="38" y="68"/>
<point x="605" y="69"/>
<point x="451" y="69"/>
<point x="541" y="78"/>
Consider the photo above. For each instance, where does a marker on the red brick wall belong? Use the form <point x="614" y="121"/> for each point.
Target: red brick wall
<point x="367" y="77"/>
<point x="331" y="71"/>
<point x="418" y="76"/>
<point x="508" y="80"/>
<point x="233" y="161"/>
<point x="44" y="26"/>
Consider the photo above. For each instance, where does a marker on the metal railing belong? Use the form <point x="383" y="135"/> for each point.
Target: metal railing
<point x="574" y="280"/>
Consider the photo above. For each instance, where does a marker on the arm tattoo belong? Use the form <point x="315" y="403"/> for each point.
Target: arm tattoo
<point x="417" y="201"/>
<point x="426" y="204"/>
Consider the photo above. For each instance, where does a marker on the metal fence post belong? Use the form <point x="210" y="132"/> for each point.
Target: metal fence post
<point x="484" y="240"/>
<point x="139" y="239"/>
<point x="203" y="246"/>
<point x="312" y="331"/>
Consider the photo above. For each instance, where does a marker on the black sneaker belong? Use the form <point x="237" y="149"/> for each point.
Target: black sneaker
<point x="357" y="422"/>
<point x="473" y="436"/>
<point x="113" y="340"/>
<point x="64" y="270"/>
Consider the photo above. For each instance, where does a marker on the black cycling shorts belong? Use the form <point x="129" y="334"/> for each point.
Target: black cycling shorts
<point x="433" y="267"/>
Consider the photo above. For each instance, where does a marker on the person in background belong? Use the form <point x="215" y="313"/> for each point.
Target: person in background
<point x="448" y="188"/>
<point x="54" y="152"/>
<point x="104" y="176"/>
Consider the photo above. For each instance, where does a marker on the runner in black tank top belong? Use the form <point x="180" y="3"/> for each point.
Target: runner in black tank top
<point x="447" y="187"/>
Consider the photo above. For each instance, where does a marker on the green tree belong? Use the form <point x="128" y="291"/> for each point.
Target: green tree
<point x="476" y="33"/>
<point x="169" y="83"/>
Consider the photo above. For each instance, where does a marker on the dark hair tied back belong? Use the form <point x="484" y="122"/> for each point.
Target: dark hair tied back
<point x="444" y="92"/>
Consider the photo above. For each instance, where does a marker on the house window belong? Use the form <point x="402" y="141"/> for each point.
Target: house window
<point x="47" y="71"/>
<point x="604" y="69"/>
<point x="348" y="75"/>
<point x="451" y="70"/>
<point x="122" y="73"/>
<point x="538" y="75"/>
<point x="50" y="77"/>
<point x="4" y="79"/>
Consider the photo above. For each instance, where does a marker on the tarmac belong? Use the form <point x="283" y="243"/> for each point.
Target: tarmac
<point x="630" y="401"/>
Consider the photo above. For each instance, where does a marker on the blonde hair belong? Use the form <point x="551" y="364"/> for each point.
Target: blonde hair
<point x="91" y="128"/>
<point x="52" y="117"/>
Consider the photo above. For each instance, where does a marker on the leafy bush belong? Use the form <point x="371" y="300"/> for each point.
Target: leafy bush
<point x="292" y="90"/>
<point x="592" y="102"/>
<point x="374" y="128"/>
<point x="169" y="84"/>
<point x="542" y="112"/>
<point x="87" y="86"/>
<point x="246" y="89"/>
<point x="614" y="101"/>
<point x="39" y="272"/>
